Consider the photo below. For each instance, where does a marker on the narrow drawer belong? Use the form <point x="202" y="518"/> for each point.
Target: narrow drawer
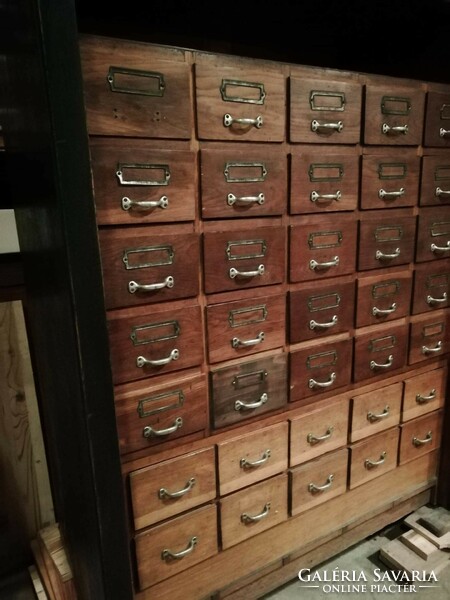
<point x="373" y="457"/>
<point x="433" y="235"/>
<point x="420" y="436"/>
<point x="322" y="183"/>
<point x="149" y="415"/>
<point x="168" y="549"/>
<point x="141" y="267"/>
<point x="248" y="390"/>
<point x="325" y="111"/>
<point x="386" y="242"/>
<point x="376" y="411"/>
<point x="383" y="297"/>
<point x="437" y="124"/>
<point x="172" y="486"/>
<point x="134" y="182"/>
<point x="243" y="327"/>
<point x="135" y="89"/>
<point x="424" y="393"/>
<point x="319" y="431"/>
<point x="238" y="182"/>
<point x="318" y="481"/>
<point x="253" y="510"/>
<point x="251" y="457"/>
<point x="435" y="186"/>
<point x="431" y="287"/>
<point x="429" y="337"/>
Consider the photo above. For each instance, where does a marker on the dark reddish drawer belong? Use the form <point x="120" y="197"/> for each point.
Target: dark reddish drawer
<point x="431" y="287"/>
<point x="383" y="298"/>
<point x="429" y="336"/>
<point x="420" y="436"/>
<point x="380" y="352"/>
<point x="386" y="242"/>
<point x="435" y="187"/>
<point x="437" y="123"/>
<point x="433" y="235"/>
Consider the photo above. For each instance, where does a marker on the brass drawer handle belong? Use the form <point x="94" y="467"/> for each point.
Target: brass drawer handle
<point x="150" y="432"/>
<point x="322" y="384"/>
<point x="247" y="464"/>
<point x="384" y="194"/>
<point x="228" y="121"/>
<point x="374" y="365"/>
<point x="427" y="350"/>
<point x="435" y="248"/>
<point x="440" y="192"/>
<point x="382" y="256"/>
<point x="315" y="439"/>
<point x="165" y="494"/>
<point x="313" y="488"/>
<point x="141" y="361"/>
<point x="379" y="312"/>
<point x="237" y="343"/>
<point x="388" y="130"/>
<point x="315" y="325"/>
<point x="431" y="300"/>
<point x="372" y="417"/>
<point x="316" y="196"/>
<point x="169" y="555"/>
<point x="316" y="126"/>
<point x="235" y="273"/>
<point x="246" y="518"/>
<point x="418" y="442"/>
<point x="239" y="405"/>
<point x="370" y="464"/>
<point x="127" y="203"/>
<point x="424" y="399"/>
<point x="168" y="282"/>
<point x="232" y="199"/>
<point x="313" y="264"/>
<point x="444" y="132"/>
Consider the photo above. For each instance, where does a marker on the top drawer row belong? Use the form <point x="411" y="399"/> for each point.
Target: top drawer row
<point x="141" y="90"/>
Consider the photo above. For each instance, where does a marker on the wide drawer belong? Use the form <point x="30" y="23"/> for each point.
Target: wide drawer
<point x="433" y="235"/>
<point x="383" y="297"/>
<point x="435" y="186"/>
<point x="424" y="393"/>
<point x="248" y="389"/>
<point x="429" y="337"/>
<point x="373" y="457"/>
<point x="375" y="411"/>
<point x="238" y="182"/>
<point x="318" y="481"/>
<point x="431" y="286"/>
<point x="167" y="549"/>
<point x="420" y="436"/>
<point x="437" y="124"/>
<point x="257" y="508"/>
<point x="172" y="486"/>
<point x="386" y="242"/>
<point x="141" y="267"/>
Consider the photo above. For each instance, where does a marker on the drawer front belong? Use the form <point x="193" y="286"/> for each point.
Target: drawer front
<point x="380" y="352"/>
<point x="322" y="183"/>
<point x="170" y="408"/>
<point x="390" y="180"/>
<point x="248" y="390"/>
<point x="325" y="111"/>
<point x="375" y="411"/>
<point x="435" y="186"/>
<point x="149" y="94"/>
<point x="431" y="287"/>
<point x="322" y="247"/>
<point x="194" y="533"/>
<point x="373" y="457"/>
<point x="437" y="125"/>
<point x="243" y="327"/>
<point x="319" y="431"/>
<point x="251" y="457"/>
<point x="383" y="298"/>
<point x="135" y="183"/>
<point x="320" y="368"/>
<point x="241" y="259"/>
<point x="240" y="101"/>
<point x="429" y="337"/>
<point x="140" y="267"/>
<point x="318" y="310"/>
<point x="433" y="235"/>
<point x="420" y="436"/>
<point x="318" y="481"/>
<point x="424" y="393"/>
<point x="386" y="242"/>
<point x="172" y="486"/>
<point x="394" y="115"/>
<point x="255" y="509"/>
<point x="243" y="183"/>
<point x="146" y="342"/>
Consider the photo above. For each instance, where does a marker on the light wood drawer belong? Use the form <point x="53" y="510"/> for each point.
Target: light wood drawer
<point x="194" y="533"/>
<point x="255" y="509"/>
<point x="172" y="486"/>
<point x="437" y="127"/>
<point x="433" y="234"/>
<point x="251" y="457"/>
<point x="318" y="481"/>
<point x="435" y="186"/>
<point x="424" y="393"/>
<point x="420" y="436"/>
<point x="318" y="431"/>
<point x="375" y="411"/>
<point x="383" y="298"/>
<point x="386" y="242"/>
<point x="373" y="457"/>
<point x="431" y="287"/>
<point x="429" y="337"/>
<point x="380" y="352"/>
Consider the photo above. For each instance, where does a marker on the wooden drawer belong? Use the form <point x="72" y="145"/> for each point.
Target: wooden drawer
<point x="241" y="259"/>
<point x="255" y="509"/>
<point x="136" y="256"/>
<point x="323" y="182"/>
<point x="381" y="351"/>
<point x="325" y="111"/>
<point x="420" y="436"/>
<point x="172" y="486"/>
<point x="431" y="286"/>
<point x="147" y="341"/>
<point x="135" y="89"/>
<point x="318" y="481"/>
<point x="240" y="100"/>
<point x="134" y="182"/>
<point x="373" y="457"/>
<point x="319" y="431"/>
<point x="319" y="368"/>
<point x="375" y="411"/>
<point x="243" y="327"/>
<point x="424" y="393"/>
<point x="435" y="185"/>
<point x="393" y="115"/>
<point x="437" y="123"/>
<point x="242" y="181"/>
<point x="386" y="242"/>
<point x="322" y="247"/>
<point x="429" y="337"/>
<point x="194" y="532"/>
<point x="390" y="180"/>
<point x="321" y="309"/>
<point x="383" y="297"/>
<point x="433" y="235"/>
<point x="248" y="389"/>
<point x="169" y="408"/>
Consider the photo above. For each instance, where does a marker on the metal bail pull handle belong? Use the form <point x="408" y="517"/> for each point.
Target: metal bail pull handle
<point x="169" y="555"/>
<point x="382" y="256"/>
<point x="237" y="343"/>
<point x="235" y="273"/>
<point x="384" y="194"/>
<point x="369" y="464"/>
<point x="372" y="417"/>
<point x="141" y="361"/>
<point x="418" y="442"/>
<point x="444" y="132"/>
<point x="248" y="464"/>
<point x="164" y="494"/>
<point x="150" y="432"/>
<point x="424" y="399"/>
<point x="168" y="282"/>
<point x="440" y="192"/>
<point x="313" y="264"/>
<point x="388" y="130"/>
<point x="435" y="248"/>
<point x="316" y="126"/>
<point x="432" y="300"/>
<point x="314" y="439"/>
<point x="228" y="121"/>
<point x="128" y="204"/>
<point x="313" y="488"/>
<point x="427" y="350"/>
<point x="232" y="199"/>
<point x="322" y="384"/>
<point x="379" y="312"/>
<point x="386" y="365"/>
<point x="239" y="405"/>
<point x="315" y="325"/>
<point x="246" y="518"/>
<point x="316" y="196"/>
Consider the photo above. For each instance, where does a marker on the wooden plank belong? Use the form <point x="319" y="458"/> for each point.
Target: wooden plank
<point x="399" y="556"/>
<point x="51" y="538"/>
<point x="37" y="583"/>
<point x="418" y="544"/>
<point x="42" y="569"/>
<point x="416" y="522"/>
